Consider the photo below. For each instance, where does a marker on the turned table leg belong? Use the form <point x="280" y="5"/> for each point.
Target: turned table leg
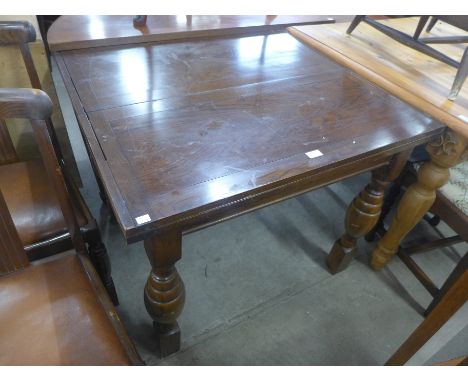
<point x="445" y="152"/>
<point x="164" y="290"/>
<point x="363" y="213"/>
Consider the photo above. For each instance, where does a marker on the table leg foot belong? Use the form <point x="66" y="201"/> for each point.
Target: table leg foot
<point x="167" y="338"/>
<point x="363" y="213"/>
<point x="341" y="254"/>
<point x="445" y="152"/>
<point x="164" y="291"/>
<point x="380" y="257"/>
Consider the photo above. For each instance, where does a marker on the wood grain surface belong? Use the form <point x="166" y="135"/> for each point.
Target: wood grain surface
<point x="190" y="133"/>
<point x="414" y="77"/>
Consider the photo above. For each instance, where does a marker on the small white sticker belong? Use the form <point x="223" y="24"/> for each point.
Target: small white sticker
<point x="314" y="154"/>
<point x="464" y="118"/>
<point x="143" y="219"/>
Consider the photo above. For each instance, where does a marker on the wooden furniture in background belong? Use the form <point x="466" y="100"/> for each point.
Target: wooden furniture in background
<point x="19" y="61"/>
<point x="421" y="82"/>
<point x="452" y="300"/>
<point x="187" y="134"/>
<point x="420" y="44"/>
<point x="78" y="32"/>
<point x="140" y="21"/>
<point x="34" y="207"/>
<point x="55" y="312"/>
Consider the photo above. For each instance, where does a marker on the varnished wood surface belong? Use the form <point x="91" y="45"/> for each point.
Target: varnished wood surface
<point x="195" y="132"/>
<point x="410" y="75"/>
<point x="78" y="32"/>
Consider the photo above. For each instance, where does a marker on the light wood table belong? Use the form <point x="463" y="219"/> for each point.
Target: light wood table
<point x="417" y="79"/>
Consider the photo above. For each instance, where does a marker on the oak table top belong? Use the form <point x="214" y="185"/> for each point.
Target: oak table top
<point x="184" y="132"/>
<point x="410" y="75"/>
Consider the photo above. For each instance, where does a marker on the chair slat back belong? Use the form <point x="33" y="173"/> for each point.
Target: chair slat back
<point x="21" y="33"/>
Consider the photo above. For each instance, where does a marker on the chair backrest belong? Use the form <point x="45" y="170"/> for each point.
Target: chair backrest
<point x="36" y="106"/>
<point x="12" y="254"/>
<point x="21" y="33"/>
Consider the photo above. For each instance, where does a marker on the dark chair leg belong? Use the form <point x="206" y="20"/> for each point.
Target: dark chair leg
<point x="140" y="21"/>
<point x="100" y="259"/>
<point x="432" y="220"/>
<point x="431" y="24"/>
<point x="354" y="24"/>
<point x="391" y="198"/>
<point x="420" y="27"/>
<point x="460" y="78"/>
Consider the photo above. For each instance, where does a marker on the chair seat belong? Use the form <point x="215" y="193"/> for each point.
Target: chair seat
<point x="26" y="188"/>
<point x="50" y="315"/>
<point x="456" y="189"/>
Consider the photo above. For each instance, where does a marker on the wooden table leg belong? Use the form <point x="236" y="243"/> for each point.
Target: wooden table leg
<point x="363" y="213"/>
<point x="445" y="152"/>
<point x="164" y="290"/>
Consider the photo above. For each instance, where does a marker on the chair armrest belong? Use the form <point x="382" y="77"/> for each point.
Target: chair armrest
<point x="24" y="103"/>
<point x="16" y="32"/>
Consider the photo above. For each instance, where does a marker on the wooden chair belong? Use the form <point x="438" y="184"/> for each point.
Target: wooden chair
<point x="34" y="208"/>
<point x="451" y="206"/>
<point x="55" y="311"/>
<point x="421" y="44"/>
<point x="451" y="301"/>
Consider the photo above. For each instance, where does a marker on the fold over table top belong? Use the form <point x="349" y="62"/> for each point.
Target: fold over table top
<point x="184" y="133"/>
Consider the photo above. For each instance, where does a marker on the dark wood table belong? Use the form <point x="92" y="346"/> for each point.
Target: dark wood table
<point x="183" y="135"/>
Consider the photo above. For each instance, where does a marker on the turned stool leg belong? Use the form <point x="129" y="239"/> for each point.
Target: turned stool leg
<point x="445" y="152"/>
<point x="164" y="290"/>
<point x="363" y="213"/>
